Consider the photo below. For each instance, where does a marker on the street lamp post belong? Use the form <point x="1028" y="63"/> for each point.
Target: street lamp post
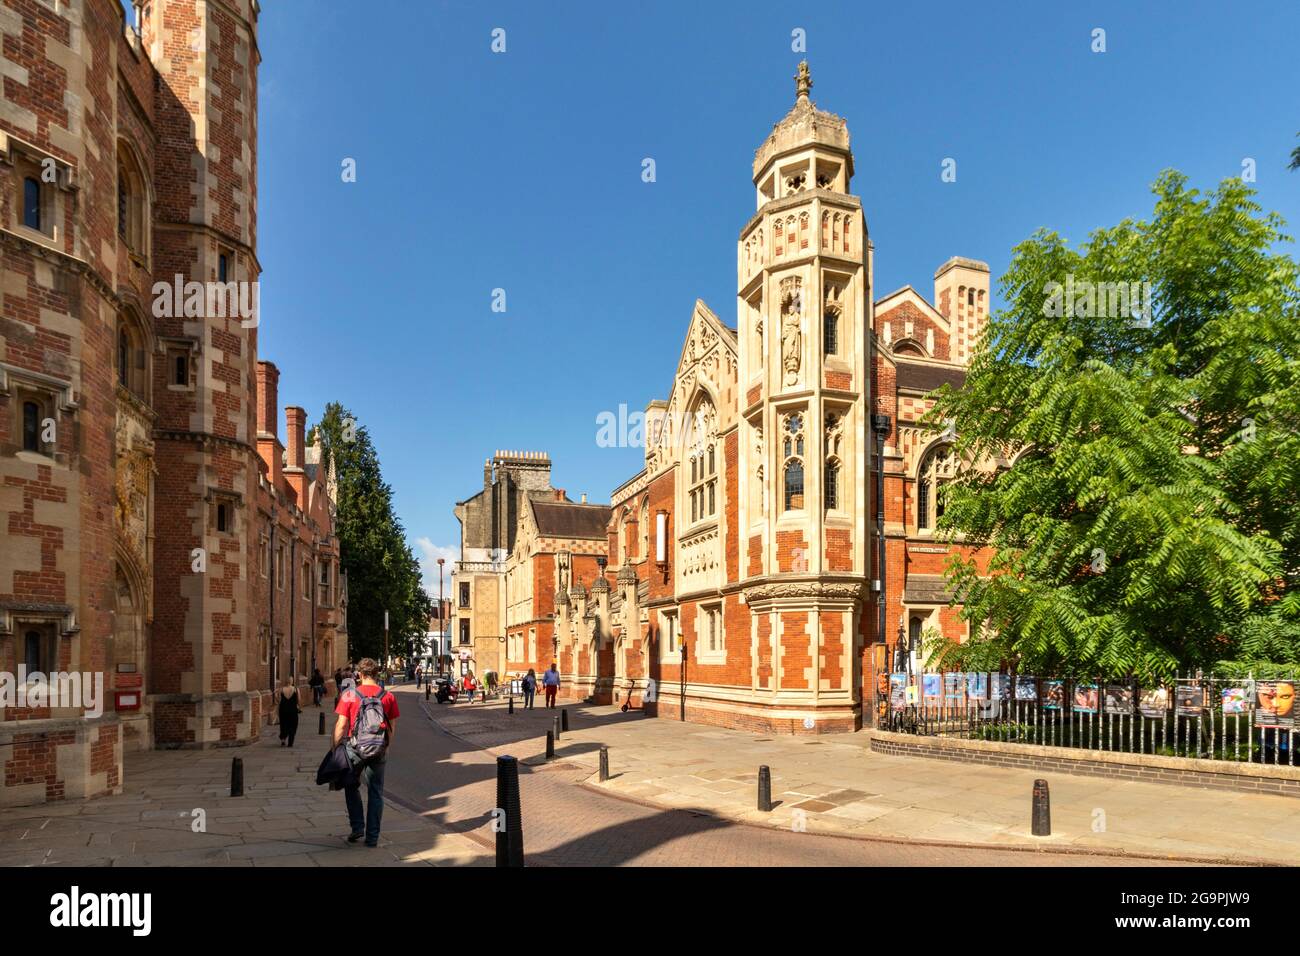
<point x="442" y="617"/>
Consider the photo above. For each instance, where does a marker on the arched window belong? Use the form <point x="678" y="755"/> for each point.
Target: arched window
<point x="132" y="202"/>
<point x="935" y="470"/>
<point x="831" y="491"/>
<point x="703" y="490"/>
<point x="644" y="528"/>
<point x="132" y="356"/>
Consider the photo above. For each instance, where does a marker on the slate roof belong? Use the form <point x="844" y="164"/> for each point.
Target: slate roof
<point x="566" y="519"/>
<point x="926" y="378"/>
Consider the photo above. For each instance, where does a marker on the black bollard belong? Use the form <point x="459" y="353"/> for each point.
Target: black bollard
<point x="765" y="789"/>
<point x="322" y="723"/>
<point x="550" y="745"/>
<point x="564" y="719"/>
<point x="604" y="763"/>
<point x="510" y="708"/>
<point x="237" y="777"/>
<point x="1042" y="823"/>
<point x="510" y="822"/>
<point x="557" y="728"/>
<point x="426" y="691"/>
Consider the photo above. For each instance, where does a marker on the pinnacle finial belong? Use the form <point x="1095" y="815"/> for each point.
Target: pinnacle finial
<point x="802" y="82"/>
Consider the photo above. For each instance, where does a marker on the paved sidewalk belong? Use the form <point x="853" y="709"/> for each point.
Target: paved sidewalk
<point x="835" y="784"/>
<point x="283" y="819"/>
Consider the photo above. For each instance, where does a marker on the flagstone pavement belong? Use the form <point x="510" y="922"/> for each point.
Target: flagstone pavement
<point x="283" y="818"/>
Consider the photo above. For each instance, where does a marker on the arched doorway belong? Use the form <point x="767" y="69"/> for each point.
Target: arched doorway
<point x="129" y="659"/>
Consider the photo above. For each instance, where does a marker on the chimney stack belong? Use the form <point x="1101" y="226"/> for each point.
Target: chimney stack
<point x="584" y="497"/>
<point x="268" y="444"/>
<point x="295" y="420"/>
<point x="268" y="398"/>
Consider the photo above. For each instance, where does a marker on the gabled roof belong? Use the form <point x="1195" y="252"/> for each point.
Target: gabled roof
<point x="565" y="519"/>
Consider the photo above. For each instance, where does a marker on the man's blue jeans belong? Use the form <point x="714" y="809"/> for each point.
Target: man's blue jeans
<point x="373" y="774"/>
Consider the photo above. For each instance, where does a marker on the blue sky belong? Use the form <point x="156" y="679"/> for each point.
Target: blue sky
<point x="522" y="171"/>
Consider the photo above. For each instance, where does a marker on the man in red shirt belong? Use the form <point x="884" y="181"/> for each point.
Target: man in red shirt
<point x="366" y="824"/>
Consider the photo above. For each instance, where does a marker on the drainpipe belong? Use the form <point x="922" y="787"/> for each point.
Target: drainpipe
<point x="272" y="656"/>
<point x="880" y="425"/>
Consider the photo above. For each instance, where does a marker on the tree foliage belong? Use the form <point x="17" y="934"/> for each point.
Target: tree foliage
<point x="383" y="572"/>
<point x="1148" y="518"/>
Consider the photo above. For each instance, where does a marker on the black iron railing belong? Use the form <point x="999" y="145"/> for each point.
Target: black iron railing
<point x="1211" y="717"/>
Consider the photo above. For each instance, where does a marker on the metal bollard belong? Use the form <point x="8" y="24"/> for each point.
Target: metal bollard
<point x="321" y="729"/>
<point x="765" y="789"/>
<point x="1042" y="822"/>
<point x="564" y="719"/>
<point x="510" y="709"/>
<point x="557" y="728"/>
<point x="510" y="823"/>
<point x="604" y="763"/>
<point x="237" y="777"/>
<point x="550" y="745"/>
<point x="426" y="691"/>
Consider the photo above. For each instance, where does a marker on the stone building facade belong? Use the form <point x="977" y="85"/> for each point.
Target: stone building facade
<point x="132" y="491"/>
<point x="556" y="597"/>
<point x="744" y="584"/>
<point x="489" y="524"/>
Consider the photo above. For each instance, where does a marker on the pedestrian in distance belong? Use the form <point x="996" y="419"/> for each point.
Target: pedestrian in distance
<point x="317" y="685"/>
<point x="367" y="716"/>
<point x="288" y="711"/>
<point x="529" y="688"/>
<point x="468" y="685"/>
<point x="551" y="682"/>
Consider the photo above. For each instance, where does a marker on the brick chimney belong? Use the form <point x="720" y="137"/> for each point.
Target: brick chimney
<point x="295" y="419"/>
<point x="268" y="396"/>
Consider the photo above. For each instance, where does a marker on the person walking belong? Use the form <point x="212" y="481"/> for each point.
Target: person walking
<point x="317" y="685"/>
<point x="468" y="684"/>
<point x="288" y="711"/>
<point x="419" y="676"/>
<point x="367" y="714"/>
<point x="551" y="682"/>
<point x="530" y="688"/>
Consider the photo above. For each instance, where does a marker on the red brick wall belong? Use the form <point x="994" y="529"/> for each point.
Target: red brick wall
<point x="839" y="549"/>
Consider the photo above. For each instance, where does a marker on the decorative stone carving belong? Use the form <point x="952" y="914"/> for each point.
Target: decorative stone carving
<point x="834" y="434"/>
<point x="842" y="590"/>
<point x="791" y="335"/>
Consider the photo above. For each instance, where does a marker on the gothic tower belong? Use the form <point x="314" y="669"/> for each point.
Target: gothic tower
<point x="804" y="302"/>
<point x="204" y="636"/>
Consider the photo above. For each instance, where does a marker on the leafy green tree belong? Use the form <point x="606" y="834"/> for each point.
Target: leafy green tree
<point x="1148" y="520"/>
<point x="1295" y="157"/>
<point x="383" y="572"/>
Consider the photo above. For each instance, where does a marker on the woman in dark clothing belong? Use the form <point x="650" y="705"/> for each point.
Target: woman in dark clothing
<point x="288" y="709"/>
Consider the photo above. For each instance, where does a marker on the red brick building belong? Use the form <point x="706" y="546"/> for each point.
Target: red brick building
<point x="139" y="476"/>
<point x="744" y="584"/>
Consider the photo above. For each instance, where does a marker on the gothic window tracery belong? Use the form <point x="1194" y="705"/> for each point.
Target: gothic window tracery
<point x="936" y="469"/>
<point x="792" y="447"/>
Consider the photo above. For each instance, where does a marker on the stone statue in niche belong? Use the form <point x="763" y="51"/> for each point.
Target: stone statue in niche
<point x="562" y="570"/>
<point x="791" y="337"/>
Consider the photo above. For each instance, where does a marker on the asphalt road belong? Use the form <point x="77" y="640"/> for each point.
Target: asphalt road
<point x="566" y="824"/>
